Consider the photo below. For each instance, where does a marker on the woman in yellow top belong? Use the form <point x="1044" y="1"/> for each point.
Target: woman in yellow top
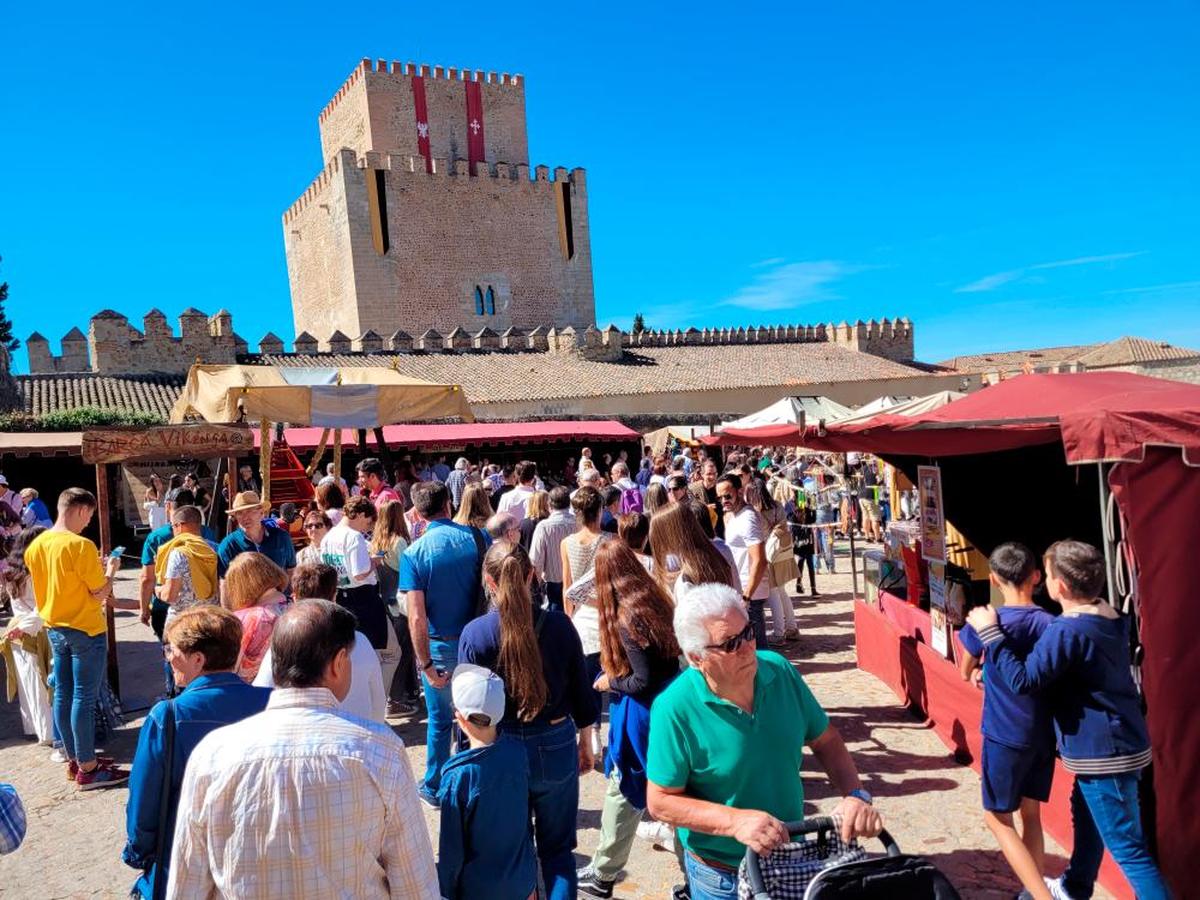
<point x="70" y="586"/>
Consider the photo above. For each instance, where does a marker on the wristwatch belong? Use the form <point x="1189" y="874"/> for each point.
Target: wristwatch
<point x="864" y="796"/>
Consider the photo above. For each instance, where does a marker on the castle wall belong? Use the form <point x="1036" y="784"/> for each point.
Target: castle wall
<point x="320" y="252"/>
<point x="448" y="232"/>
<point x="375" y="110"/>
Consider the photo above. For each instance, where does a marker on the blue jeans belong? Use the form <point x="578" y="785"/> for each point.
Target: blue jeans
<point x="706" y="882"/>
<point x="554" y="800"/>
<point x="825" y="547"/>
<point x="78" y="668"/>
<point x="444" y="654"/>
<point x="758" y="619"/>
<point x="1105" y="813"/>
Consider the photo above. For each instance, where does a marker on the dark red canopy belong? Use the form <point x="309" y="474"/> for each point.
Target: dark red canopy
<point x="1097" y="416"/>
<point x="763" y="436"/>
<point x="460" y="434"/>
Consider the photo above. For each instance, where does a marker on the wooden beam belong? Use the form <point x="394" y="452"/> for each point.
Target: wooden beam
<point x="104" y="517"/>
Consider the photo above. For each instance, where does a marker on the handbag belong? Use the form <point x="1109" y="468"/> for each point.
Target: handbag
<point x="161" y="847"/>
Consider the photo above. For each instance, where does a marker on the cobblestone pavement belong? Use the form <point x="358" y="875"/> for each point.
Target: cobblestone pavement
<point x="930" y="803"/>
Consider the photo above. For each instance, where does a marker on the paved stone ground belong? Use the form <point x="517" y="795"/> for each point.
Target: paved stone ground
<point x="930" y="803"/>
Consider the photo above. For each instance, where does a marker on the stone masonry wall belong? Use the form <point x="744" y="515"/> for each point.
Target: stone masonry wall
<point x="113" y="346"/>
<point x="448" y="232"/>
<point x="374" y="110"/>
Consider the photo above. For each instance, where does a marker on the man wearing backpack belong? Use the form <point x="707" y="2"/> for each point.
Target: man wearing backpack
<point x="631" y="494"/>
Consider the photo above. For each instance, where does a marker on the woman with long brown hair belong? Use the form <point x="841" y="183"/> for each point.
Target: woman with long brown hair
<point x="684" y="555"/>
<point x="476" y="506"/>
<point x="538" y="654"/>
<point x="389" y="539"/>
<point x="640" y="657"/>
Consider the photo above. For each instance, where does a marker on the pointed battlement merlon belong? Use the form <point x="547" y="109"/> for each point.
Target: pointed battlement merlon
<point x="319" y="184"/>
<point x="113" y="346"/>
<point x="376" y="109"/>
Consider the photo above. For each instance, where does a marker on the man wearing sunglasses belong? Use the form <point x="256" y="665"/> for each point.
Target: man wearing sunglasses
<point x="726" y="739"/>
<point x="746" y="536"/>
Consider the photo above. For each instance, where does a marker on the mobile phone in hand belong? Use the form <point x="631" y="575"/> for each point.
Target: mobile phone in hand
<point x="116" y="553"/>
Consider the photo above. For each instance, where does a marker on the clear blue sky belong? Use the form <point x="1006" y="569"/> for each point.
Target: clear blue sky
<point x="1020" y="175"/>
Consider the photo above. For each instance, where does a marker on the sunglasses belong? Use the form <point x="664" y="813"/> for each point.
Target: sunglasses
<point x="315" y="526"/>
<point x="733" y="644"/>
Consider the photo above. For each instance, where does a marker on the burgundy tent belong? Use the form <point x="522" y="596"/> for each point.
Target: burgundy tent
<point x="786" y="435"/>
<point x="1141" y="437"/>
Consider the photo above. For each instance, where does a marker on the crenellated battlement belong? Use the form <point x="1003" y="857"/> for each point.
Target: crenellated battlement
<point x="892" y="339"/>
<point x="408" y="70"/>
<point x="114" y="346"/>
<point x="315" y="189"/>
<point x="407" y="164"/>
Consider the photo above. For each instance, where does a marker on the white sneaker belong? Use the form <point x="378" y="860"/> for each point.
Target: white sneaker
<point x="57" y="756"/>
<point x="1057" y="891"/>
<point x="659" y="834"/>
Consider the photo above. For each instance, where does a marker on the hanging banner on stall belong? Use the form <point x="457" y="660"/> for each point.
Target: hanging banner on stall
<point x="939" y="634"/>
<point x="933" y="518"/>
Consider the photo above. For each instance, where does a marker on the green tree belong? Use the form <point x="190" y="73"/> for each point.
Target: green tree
<point x="639" y="324"/>
<point x="6" y="336"/>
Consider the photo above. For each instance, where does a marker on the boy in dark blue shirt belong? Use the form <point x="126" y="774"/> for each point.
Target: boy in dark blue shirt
<point x="485" y="848"/>
<point x="1018" y="736"/>
<point x="1102" y="735"/>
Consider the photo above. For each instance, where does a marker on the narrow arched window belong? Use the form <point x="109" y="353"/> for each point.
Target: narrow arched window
<point x="479" y="300"/>
<point x="491" y="301"/>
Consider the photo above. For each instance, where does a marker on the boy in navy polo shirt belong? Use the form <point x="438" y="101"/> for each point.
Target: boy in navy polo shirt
<point x="484" y="845"/>
<point x="1102" y="735"/>
<point x="1018" y="737"/>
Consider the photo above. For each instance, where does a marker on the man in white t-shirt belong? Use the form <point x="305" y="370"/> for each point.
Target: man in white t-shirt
<point x="746" y="538"/>
<point x="345" y="548"/>
<point x="516" y="500"/>
<point x="366" y="698"/>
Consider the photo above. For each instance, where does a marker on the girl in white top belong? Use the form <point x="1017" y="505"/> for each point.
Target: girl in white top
<point x="25" y="631"/>
<point x="578" y="558"/>
<point x="155" y="503"/>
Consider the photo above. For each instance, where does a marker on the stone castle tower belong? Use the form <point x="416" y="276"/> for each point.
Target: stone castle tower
<point x="426" y="214"/>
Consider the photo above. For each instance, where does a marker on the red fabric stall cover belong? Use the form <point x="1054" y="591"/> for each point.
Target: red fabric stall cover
<point x="1159" y="500"/>
<point x="459" y="434"/>
<point x="762" y="436"/>
<point x="931" y="686"/>
<point x="422" y="115"/>
<point x="475" y="152"/>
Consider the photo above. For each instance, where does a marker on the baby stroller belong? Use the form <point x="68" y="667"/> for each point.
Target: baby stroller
<point x="827" y="868"/>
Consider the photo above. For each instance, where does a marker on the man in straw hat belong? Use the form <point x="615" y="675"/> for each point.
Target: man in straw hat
<point x="255" y="535"/>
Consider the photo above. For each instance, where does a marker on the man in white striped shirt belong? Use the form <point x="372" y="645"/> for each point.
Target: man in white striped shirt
<point x="548" y="535"/>
<point x="303" y="799"/>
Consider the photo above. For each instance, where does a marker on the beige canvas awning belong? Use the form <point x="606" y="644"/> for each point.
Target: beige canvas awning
<point x="356" y="397"/>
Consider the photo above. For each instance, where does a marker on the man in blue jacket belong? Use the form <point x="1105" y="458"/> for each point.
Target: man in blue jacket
<point x="484" y="848"/>
<point x="202" y="650"/>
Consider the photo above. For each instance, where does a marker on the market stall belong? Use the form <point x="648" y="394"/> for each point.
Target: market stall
<point x="334" y="399"/>
<point x="1111" y="458"/>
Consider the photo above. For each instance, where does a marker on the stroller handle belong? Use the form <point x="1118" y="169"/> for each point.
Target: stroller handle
<point x="822" y="825"/>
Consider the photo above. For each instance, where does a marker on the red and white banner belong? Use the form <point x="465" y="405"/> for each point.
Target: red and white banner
<point x="474" y="124"/>
<point x="422" y="113"/>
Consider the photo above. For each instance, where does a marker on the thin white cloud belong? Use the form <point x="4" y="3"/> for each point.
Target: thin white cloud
<point x="991" y="282"/>
<point x="772" y="261"/>
<point x="786" y="285"/>
<point x="1156" y="288"/>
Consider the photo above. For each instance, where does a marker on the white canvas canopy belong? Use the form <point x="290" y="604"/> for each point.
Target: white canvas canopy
<point x="352" y="397"/>
<point x="792" y="411"/>
<point x="914" y="406"/>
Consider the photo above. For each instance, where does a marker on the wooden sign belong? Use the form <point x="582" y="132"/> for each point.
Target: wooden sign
<point x="200" y="441"/>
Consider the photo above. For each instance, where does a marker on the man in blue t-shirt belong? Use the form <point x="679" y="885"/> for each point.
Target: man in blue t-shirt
<point x="1018" y="731"/>
<point x="440" y="572"/>
<point x="254" y="534"/>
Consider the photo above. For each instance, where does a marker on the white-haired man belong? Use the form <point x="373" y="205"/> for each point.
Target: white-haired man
<point x="457" y="480"/>
<point x="588" y="478"/>
<point x="725" y="745"/>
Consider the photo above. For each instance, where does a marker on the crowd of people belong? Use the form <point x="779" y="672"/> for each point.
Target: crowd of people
<point x="517" y="606"/>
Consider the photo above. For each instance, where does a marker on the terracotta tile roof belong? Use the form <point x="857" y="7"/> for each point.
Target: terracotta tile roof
<point x="495" y="376"/>
<point x="1124" y="351"/>
<point x="1009" y="360"/>
<point x="41" y="394"/>
<point x="1131" y="350"/>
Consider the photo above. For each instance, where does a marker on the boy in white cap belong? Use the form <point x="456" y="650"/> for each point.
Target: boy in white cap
<point x="485" y="847"/>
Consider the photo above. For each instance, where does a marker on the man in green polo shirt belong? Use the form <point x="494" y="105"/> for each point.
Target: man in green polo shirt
<point x="726" y="740"/>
